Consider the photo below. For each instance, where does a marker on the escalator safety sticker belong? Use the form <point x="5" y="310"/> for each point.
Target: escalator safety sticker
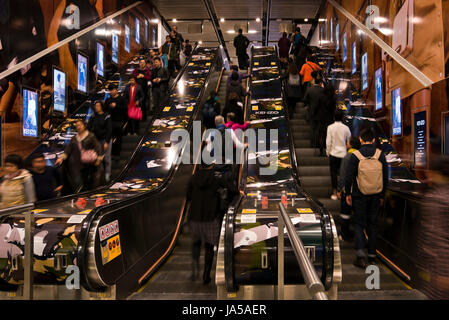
<point x="256" y="63"/>
<point x="255" y="108"/>
<point x="273" y="63"/>
<point x="305" y="210"/>
<point x="248" y="218"/>
<point x="167" y="109"/>
<point x="110" y="242"/>
<point x="189" y="109"/>
<point x="249" y="211"/>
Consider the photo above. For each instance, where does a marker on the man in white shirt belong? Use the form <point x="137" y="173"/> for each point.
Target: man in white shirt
<point x="338" y="135"/>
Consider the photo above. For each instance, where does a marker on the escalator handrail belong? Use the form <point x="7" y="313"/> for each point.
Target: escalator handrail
<point x="313" y="282"/>
<point x="100" y="211"/>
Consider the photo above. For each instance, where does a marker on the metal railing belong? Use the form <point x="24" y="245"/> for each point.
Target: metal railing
<point x="311" y="279"/>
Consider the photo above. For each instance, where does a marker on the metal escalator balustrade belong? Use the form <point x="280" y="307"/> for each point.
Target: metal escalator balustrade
<point x="247" y="260"/>
<point x="62" y="226"/>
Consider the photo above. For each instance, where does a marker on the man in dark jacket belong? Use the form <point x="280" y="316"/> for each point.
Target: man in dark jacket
<point x="178" y="37"/>
<point x="236" y="87"/>
<point x="47" y="180"/>
<point x="366" y="207"/>
<point x="160" y="83"/>
<point x="316" y="98"/>
<point x="241" y="44"/>
<point x="235" y="69"/>
<point x="202" y="192"/>
<point x="284" y="47"/>
<point x="116" y="107"/>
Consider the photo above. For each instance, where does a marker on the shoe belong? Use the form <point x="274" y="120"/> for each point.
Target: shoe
<point x="360" y="262"/>
<point x="334" y="197"/>
<point x="206" y="280"/>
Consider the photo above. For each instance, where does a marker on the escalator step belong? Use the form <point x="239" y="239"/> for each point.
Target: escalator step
<point x="314" y="171"/>
<point x="312" y="161"/>
<point x="307" y="152"/>
<point x="316" y="181"/>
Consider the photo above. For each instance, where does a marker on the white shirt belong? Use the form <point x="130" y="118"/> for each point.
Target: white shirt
<point x="338" y="135"/>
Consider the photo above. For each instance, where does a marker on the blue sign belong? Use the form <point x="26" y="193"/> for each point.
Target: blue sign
<point x="115" y="48"/>
<point x="30" y="114"/>
<point x="345" y="48"/>
<point x="127" y="39"/>
<point x="100" y="59"/>
<point x="337" y="35"/>
<point x="397" y="112"/>
<point x="137" y="30"/>
<point x="82" y="73"/>
<point x="59" y="84"/>
<point x="365" y="71"/>
<point x="354" y="58"/>
<point x="379" y="90"/>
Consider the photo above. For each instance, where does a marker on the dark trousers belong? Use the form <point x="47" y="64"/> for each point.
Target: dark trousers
<point x="365" y="217"/>
<point x="158" y="96"/>
<point x="345" y="218"/>
<point x="117" y="133"/>
<point x="319" y="134"/>
<point x="134" y="126"/>
<point x="291" y="101"/>
<point x="208" y="257"/>
<point x="243" y="61"/>
<point x="334" y="164"/>
<point x="172" y="67"/>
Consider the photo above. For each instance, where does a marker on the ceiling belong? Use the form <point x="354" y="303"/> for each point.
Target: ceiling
<point x="240" y="12"/>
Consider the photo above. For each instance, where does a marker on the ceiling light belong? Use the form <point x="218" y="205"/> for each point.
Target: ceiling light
<point x="154" y="20"/>
<point x="231" y="31"/>
<point x="222" y="20"/>
<point x="360" y="32"/>
<point x="174" y="20"/>
<point x="322" y="20"/>
<point x="306" y="20"/>
<point x="252" y="31"/>
<point x="200" y="42"/>
<point x="257" y="19"/>
<point x="380" y="20"/>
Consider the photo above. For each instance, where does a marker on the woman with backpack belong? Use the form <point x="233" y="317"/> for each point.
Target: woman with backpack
<point x="211" y="109"/>
<point x="293" y="87"/>
<point x="83" y="156"/>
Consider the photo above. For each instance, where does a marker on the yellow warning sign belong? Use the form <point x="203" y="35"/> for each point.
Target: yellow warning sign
<point x="191" y="64"/>
<point x="255" y="108"/>
<point x="39" y="210"/>
<point x="189" y="109"/>
<point x="110" y="249"/>
<point x="256" y="63"/>
<point x="278" y="108"/>
<point x="305" y="210"/>
<point x="207" y="64"/>
<point x="85" y="211"/>
<point x="249" y="211"/>
<point x="273" y="63"/>
<point x="292" y="194"/>
<point x="166" y="109"/>
<point x="252" y="194"/>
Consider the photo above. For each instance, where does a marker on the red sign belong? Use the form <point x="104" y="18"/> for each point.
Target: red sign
<point x="264" y="202"/>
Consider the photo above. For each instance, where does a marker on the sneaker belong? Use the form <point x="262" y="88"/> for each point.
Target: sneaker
<point x="360" y="262"/>
<point x="334" y="197"/>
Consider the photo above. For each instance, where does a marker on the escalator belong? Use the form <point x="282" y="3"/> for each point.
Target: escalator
<point x="247" y="262"/>
<point x="315" y="176"/>
<point x="119" y="235"/>
<point x="172" y="281"/>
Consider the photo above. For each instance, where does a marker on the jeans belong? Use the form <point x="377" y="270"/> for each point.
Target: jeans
<point x="366" y="209"/>
<point x="334" y="164"/>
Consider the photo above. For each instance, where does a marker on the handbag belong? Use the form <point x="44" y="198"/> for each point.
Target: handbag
<point x="87" y="156"/>
<point x="135" y="113"/>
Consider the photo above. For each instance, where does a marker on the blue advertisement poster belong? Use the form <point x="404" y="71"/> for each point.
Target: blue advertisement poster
<point x="379" y="90"/>
<point x="446" y="135"/>
<point x="127" y="39"/>
<point x="30" y="114"/>
<point x="354" y="58"/>
<point x="100" y="59"/>
<point x="115" y="48"/>
<point x="59" y="84"/>
<point x="337" y="36"/>
<point x="397" y="112"/>
<point x="146" y="30"/>
<point x="345" y="48"/>
<point x="137" y="30"/>
<point x="82" y="73"/>
<point x="365" y="71"/>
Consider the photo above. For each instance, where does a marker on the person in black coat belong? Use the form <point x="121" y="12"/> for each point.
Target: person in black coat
<point x="233" y="106"/>
<point x="134" y="97"/>
<point x="47" y="180"/>
<point x="160" y="83"/>
<point x="205" y="215"/>
<point x="317" y="99"/>
<point x="117" y="108"/>
<point x="81" y="176"/>
<point x="241" y="44"/>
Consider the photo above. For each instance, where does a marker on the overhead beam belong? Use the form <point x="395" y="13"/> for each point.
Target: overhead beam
<point x="215" y="23"/>
<point x="414" y="71"/>
<point x="266" y="22"/>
